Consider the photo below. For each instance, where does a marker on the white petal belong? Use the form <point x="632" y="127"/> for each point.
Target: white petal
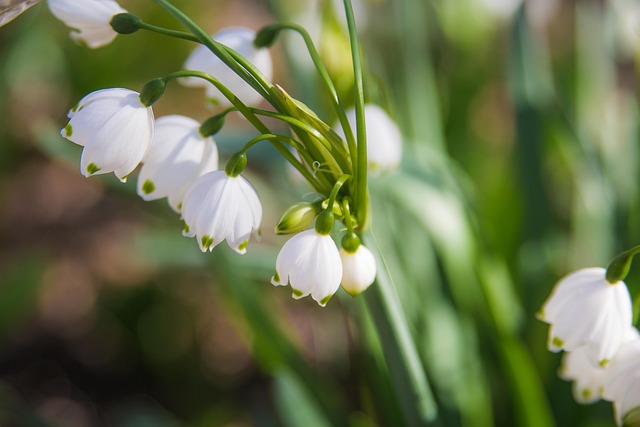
<point x="90" y="19"/>
<point x="358" y="270"/>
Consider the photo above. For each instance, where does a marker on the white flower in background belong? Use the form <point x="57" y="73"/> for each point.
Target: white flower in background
<point x="622" y="382"/>
<point x="587" y="378"/>
<point x="115" y="130"/>
<point x="89" y="18"/>
<point x="178" y="155"/>
<point x="584" y="309"/>
<point x="220" y="207"/>
<point x="384" y="140"/>
<point x="627" y="24"/>
<point x="202" y="59"/>
<point x="358" y="270"/>
<point x="310" y="262"/>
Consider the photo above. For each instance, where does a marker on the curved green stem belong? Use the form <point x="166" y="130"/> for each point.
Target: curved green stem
<point x="361" y="196"/>
<point x="336" y="188"/>
<point x="167" y="32"/>
<point x="336" y="160"/>
<point x="269" y="137"/>
<point x="239" y="64"/>
<point x="326" y="80"/>
<point x="255" y="121"/>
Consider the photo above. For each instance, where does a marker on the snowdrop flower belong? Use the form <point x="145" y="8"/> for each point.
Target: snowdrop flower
<point x="622" y="382"/>
<point x="310" y="262"/>
<point x="114" y="128"/>
<point x="587" y="378"/>
<point x="202" y="59"/>
<point x="584" y="309"/>
<point x="384" y="141"/>
<point x="89" y="18"/>
<point x="221" y="207"/>
<point x="178" y="155"/>
<point x="358" y="265"/>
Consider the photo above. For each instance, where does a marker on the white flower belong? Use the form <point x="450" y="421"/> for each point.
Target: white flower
<point x="587" y="378"/>
<point x="584" y="309"/>
<point x="622" y="382"/>
<point x="89" y="18"/>
<point x="310" y="262"/>
<point x="358" y="270"/>
<point x="219" y="207"/>
<point x="202" y="59"/>
<point x="115" y="130"/>
<point x="384" y="140"/>
<point x="178" y="155"/>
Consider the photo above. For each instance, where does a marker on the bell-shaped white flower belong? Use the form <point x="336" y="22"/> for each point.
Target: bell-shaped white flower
<point x="584" y="309"/>
<point x="202" y="59"/>
<point x="115" y="130"/>
<point x="622" y="382"/>
<point x="178" y="155"/>
<point x="89" y="18"/>
<point x="310" y="262"/>
<point x="220" y="207"/>
<point x="384" y="140"/>
<point x="358" y="269"/>
<point x="587" y="378"/>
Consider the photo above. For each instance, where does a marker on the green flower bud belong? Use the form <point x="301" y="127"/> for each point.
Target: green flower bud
<point x="212" y="125"/>
<point x="125" y="23"/>
<point x="324" y="222"/>
<point x="236" y="164"/>
<point x="266" y="36"/>
<point x="152" y="91"/>
<point x="350" y="242"/>
<point x="297" y="217"/>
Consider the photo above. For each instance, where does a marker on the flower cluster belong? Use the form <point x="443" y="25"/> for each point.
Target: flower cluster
<point x="179" y="159"/>
<point x="590" y="317"/>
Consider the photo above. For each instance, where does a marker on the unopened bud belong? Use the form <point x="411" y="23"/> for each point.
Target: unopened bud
<point x="212" y="125"/>
<point x="152" y="91"/>
<point x="125" y="23"/>
<point x="266" y="36"/>
<point x="236" y="164"/>
<point x="297" y="217"/>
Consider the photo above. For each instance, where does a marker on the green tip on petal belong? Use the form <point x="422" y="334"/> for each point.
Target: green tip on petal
<point x="557" y="342"/>
<point x="243" y="245"/>
<point x="604" y="362"/>
<point x="586" y="394"/>
<point x="207" y="242"/>
<point x="325" y="300"/>
<point x="296" y="293"/>
<point x="148" y="187"/>
<point x="186" y="228"/>
<point x="540" y="315"/>
<point x="68" y="130"/>
<point x="276" y="277"/>
<point x="92" y="168"/>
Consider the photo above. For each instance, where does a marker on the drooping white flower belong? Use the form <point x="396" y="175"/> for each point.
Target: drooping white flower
<point x="622" y="381"/>
<point x="358" y="270"/>
<point x="88" y="18"/>
<point x="587" y="378"/>
<point x="584" y="309"/>
<point x="115" y="130"/>
<point x="178" y="155"/>
<point x="384" y="140"/>
<point x="202" y="59"/>
<point x="220" y="207"/>
<point x="310" y="262"/>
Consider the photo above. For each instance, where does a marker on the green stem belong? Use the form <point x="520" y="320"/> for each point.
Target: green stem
<point x="338" y="163"/>
<point x="326" y="80"/>
<point x="239" y="64"/>
<point x="336" y="188"/>
<point x="361" y="195"/>
<point x="253" y="119"/>
<point x="167" y="32"/>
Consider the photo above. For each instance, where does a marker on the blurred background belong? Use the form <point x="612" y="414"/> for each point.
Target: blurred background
<point x="521" y="164"/>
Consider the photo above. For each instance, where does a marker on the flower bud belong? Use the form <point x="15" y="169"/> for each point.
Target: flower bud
<point x="324" y="222"/>
<point x="236" y="164"/>
<point x="152" y="91"/>
<point x="266" y="36"/>
<point x="125" y="23"/>
<point x="212" y="125"/>
<point x="297" y="217"/>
